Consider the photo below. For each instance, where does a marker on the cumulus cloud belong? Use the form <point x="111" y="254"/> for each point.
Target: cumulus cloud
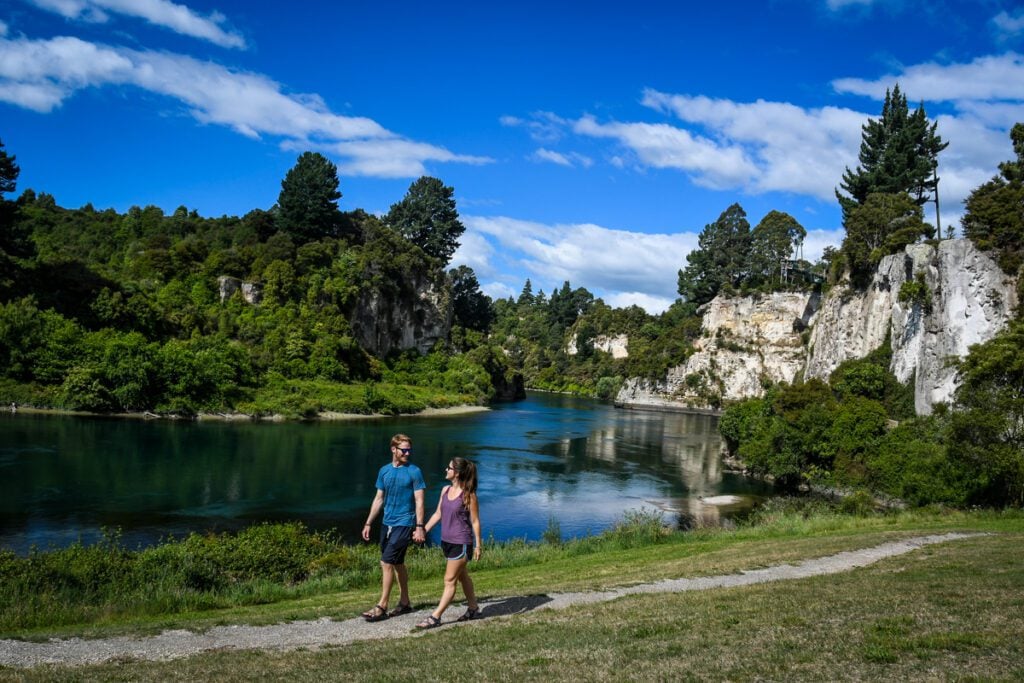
<point x="640" y="267"/>
<point x="41" y="74"/>
<point x="169" y="15"/>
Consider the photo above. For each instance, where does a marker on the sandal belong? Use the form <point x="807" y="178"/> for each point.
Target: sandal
<point x="470" y="614"/>
<point x="376" y="613"/>
<point x="430" y="622"/>
<point x="400" y="610"/>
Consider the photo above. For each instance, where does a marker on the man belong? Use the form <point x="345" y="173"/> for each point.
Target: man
<point x="400" y="488"/>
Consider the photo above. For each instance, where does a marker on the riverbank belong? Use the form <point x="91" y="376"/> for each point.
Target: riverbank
<point x="243" y="417"/>
<point x="950" y="610"/>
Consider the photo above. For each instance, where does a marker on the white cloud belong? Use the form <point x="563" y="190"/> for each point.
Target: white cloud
<point x="987" y="78"/>
<point x="788" y="148"/>
<point x="1009" y="25"/>
<point x="836" y="5"/>
<point x="609" y="263"/>
<point x="41" y="75"/>
<point x="663" y="146"/>
<point x="543" y="126"/>
<point x="651" y="304"/>
<point x="175" y="17"/>
<point x="477" y="253"/>
<point x="570" y="160"/>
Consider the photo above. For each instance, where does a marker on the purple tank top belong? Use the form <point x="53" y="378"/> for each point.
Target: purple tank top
<point x="455" y="525"/>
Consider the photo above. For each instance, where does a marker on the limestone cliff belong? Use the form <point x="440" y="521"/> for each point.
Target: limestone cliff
<point x="746" y="343"/>
<point x="967" y="300"/>
<point x="415" y="316"/>
<point x="958" y="296"/>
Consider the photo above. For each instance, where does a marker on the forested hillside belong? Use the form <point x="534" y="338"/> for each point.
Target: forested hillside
<point x="119" y="312"/>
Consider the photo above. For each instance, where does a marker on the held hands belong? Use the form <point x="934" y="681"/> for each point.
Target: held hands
<point x="419" y="535"/>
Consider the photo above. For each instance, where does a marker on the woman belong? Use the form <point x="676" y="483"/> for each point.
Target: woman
<point x="459" y="514"/>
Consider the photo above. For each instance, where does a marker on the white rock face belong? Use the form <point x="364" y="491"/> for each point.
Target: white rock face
<point x="746" y="339"/>
<point x="617" y="345"/>
<point x="971" y="300"/>
<point x="746" y="342"/>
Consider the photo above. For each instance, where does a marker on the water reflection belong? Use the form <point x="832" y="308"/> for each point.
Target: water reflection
<point x="579" y="462"/>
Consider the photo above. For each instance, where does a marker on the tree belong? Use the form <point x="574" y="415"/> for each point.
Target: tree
<point x="308" y="203"/>
<point x="898" y="153"/>
<point x="988" y="423"/>
<point x="426" y="216"/>
<point x="771" y="241"/>
<point x="15" y="241"/>
<point x="995" y="210"/>
<point x="882" y="225"/>
<point x="720" y="257"/>
<point x="471" y="308"/>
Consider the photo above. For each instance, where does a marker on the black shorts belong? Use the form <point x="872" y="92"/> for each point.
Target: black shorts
<point x="457" y="551"/>
<point x="394" y="541"/>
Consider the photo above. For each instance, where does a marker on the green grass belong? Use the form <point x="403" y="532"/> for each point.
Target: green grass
<point x="953" y="611"/>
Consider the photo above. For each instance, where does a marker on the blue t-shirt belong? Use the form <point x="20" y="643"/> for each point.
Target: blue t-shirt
<point x="399" y="485"/>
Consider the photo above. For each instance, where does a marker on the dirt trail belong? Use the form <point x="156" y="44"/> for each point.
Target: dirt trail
<point x="313" y="634"/>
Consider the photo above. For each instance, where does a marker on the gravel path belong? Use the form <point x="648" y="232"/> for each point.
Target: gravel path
<point x="313" y="634"/>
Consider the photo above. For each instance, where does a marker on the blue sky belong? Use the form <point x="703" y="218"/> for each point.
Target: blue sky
<point x="585" y="141"/>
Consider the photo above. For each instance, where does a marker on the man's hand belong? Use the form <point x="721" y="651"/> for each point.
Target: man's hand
<point x="366" y="532"/>
<point x="419" y="535"/>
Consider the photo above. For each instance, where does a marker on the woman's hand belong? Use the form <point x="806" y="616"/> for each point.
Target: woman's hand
<point x="476" y="553"/>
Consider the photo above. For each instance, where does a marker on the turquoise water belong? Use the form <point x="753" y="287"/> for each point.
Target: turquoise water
<point x="577" y="461"/>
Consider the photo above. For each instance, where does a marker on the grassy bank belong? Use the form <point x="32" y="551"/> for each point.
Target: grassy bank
<point x="945" y="612"/>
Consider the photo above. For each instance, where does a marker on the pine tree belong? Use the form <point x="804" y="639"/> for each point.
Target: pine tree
<point x="898" y="153"/>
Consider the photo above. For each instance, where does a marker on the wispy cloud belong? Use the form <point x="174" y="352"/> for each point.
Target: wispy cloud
<point x="569" y="160"/>
<point x="836" y="5"/>
<point x="1009" y="26"/>
<point x="41" y="74"/>
<point x="543" y="126"/>
<point x="710" y="163"/>
<point x="169" y="15"/>
<point x="786" y="148"/>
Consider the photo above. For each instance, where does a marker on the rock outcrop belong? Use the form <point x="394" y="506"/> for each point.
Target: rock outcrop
<point x="966" y="300"/>
<point x="746" y="343"/>
<point x="957" y="296"/>
<point x="416" y="317"/>
<point x="617" y="345"/>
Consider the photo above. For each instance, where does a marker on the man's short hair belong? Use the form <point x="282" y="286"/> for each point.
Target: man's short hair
<point x="399" y="438"/>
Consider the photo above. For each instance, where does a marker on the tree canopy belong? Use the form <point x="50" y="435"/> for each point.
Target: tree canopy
<point x="995" y="211"/>
<point x="898" y="153"/>
<point x="883" y="224"/>
<point x="719" y="259"/>
<point x="308" y="203"/>
<point x="427" y="217"/>
<point x="771" y="241"/>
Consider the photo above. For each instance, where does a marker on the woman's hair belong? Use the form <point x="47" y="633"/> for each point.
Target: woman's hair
<point x="465" y="470"/>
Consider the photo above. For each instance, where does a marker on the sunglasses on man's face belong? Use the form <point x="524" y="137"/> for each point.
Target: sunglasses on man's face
<point x="405" y="451"/>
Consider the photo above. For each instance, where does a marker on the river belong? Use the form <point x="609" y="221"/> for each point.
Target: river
<point x="548" y="458"/>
